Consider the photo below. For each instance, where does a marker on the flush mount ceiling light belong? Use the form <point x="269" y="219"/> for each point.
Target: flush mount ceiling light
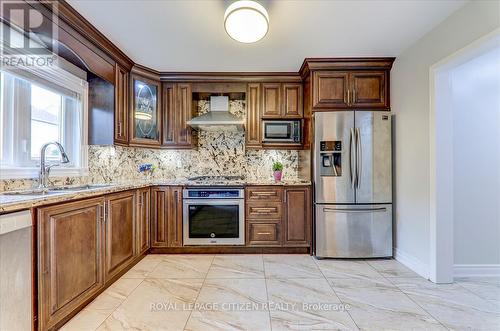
<point x="246" y="21"/>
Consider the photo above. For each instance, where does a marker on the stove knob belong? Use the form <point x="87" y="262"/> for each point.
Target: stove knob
<point x="212" y="235"/>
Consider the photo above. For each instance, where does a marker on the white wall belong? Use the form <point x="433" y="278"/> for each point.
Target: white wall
<point x="475" y="97"/>
<point x="410" y="104"/>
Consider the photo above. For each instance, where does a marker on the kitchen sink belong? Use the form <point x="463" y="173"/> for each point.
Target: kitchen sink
<point x="54" y="190"/>
<point x="33" y="192"/>
<point x="78" y="188"/>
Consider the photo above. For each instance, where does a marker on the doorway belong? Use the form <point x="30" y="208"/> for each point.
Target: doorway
<point x="465" y="162"/>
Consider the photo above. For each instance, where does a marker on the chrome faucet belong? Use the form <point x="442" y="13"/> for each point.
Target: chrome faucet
<point x="43" y="178"/>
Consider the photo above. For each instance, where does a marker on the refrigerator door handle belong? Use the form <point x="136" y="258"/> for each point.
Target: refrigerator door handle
<point x="352" y="157"/>
<point x="352" y="210"/>
<point x="358" y="158"/>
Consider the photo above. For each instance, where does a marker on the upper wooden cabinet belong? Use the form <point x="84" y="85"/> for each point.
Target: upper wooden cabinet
<point x="253" y="121"/>
<point x="271" y="100"/>
<point x="369" y="89"/>
<point x="177" y="110"/>
<point x="145" y="115"/>
<point x="119" y="220"/>
<point x="121" y="105"/>
<point x="282" y="100"/>
<point x="292" y="100"/>
<point x="166" y="216"/>
<point x="330" y="89"/>
<point x="356" y="89"/>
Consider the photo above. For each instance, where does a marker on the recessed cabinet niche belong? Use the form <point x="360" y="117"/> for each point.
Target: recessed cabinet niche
<point x="145" y="117"/>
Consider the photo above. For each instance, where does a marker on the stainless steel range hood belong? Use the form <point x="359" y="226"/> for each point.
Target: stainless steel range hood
<point x="218" y="118"/>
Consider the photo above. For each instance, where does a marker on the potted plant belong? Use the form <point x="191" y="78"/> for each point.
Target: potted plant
<point x="277" y="171"/>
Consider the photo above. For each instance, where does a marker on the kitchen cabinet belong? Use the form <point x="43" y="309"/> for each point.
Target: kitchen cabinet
<point x="177" y="110"/>
<point x="145" y="116"/>
<point x="166" y="216"/>
<point x="263" y="213"/>
<point x="271" y="100"/>
<point x="143" y="217"/>
<point x="253" y="121"/>
<point x="330" y="89"/>
<point x="70" y="246"/>
<point x="119" y="225"/>
<point x="369" y="89"/>
<point x="293" y="106"/>
<point x="350" y="89"/>
<point x="297" y="216"/>
<point x="82" y="247"/>
<point x="278" y="216"/>
<point x="121" y="105"/>
<point x="282" y="100"/>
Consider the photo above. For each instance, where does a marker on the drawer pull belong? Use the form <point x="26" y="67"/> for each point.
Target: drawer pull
<point x="263" y="193"/>
<point x="266" y="233"/>
<point x="263" y="210"/>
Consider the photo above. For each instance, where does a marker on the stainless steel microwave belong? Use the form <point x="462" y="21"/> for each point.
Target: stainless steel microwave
<point x="281" y="131"/>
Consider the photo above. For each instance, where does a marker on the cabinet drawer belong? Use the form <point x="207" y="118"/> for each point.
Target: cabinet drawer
<point x="263" y="233"/>
<point x="264" y="193"/>
<point x="260" y="210"/>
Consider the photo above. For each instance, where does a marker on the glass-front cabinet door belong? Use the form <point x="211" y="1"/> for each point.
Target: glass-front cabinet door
<point x="145" y="115"/>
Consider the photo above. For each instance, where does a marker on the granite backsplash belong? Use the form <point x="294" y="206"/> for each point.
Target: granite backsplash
<point x="218" y="153"/>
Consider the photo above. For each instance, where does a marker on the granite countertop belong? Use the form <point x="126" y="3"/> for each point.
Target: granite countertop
<point x="10" y="203"/>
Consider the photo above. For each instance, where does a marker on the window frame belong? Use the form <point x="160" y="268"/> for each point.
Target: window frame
<point x="65" y="79"/>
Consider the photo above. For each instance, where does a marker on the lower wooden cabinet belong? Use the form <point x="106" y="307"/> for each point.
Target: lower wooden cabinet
<point x="142" y="221"/>
<point x="297" y="216"/>
<point x="70" y="250"/>
<point x="278" y="216"/>
<point x="263" y="233"/>
<point x="119" y="225"/>
<point x="166" y="216"/>
<point x="81" y="246"/>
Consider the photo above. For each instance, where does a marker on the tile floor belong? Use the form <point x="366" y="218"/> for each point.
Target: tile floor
<point x="286" y="292"/>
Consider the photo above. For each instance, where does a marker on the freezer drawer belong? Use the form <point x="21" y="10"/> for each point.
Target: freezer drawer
<point x="353" y="231"/>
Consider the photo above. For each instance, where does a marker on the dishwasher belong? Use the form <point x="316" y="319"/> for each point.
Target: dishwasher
<point x="15" y="271"/>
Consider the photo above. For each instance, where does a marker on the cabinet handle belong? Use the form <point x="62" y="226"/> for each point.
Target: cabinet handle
<point x="353" y="96"/>
<point x="348" y="97"/>
<point x="263" y="232"/>
<point x="102" y="212"/>
<point x="263" y="210"/>
<point x="264" y="193"/>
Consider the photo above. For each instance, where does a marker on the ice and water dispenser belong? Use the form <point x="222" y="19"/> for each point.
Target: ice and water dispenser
<point x="330" y="158"/>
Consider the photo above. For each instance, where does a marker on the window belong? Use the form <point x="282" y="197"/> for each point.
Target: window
<point x="36" y="107"/>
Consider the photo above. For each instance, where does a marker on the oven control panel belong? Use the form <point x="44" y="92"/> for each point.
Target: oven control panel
<point x="208" y="193"/>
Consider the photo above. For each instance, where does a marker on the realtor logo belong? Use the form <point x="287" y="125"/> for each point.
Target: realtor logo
<point x="28" y="33"/>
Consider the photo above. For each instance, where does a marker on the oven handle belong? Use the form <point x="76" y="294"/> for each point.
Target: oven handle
<point x="213" y="202"/>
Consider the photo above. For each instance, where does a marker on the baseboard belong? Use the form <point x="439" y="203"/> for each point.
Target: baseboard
<point x="476" y="270"/>
<point x="412" y="263"/>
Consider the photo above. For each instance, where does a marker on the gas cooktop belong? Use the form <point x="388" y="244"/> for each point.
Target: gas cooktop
<point x="216" y="180"/>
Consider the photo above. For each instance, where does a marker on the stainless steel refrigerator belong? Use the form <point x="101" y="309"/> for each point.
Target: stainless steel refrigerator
<point x="352" y="166"/>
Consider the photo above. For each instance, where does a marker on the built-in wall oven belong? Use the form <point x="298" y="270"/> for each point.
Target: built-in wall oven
<point x="213" y="216"/>
<point x="281" y="131"/>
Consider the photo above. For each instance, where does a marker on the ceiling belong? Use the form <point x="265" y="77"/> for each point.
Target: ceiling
<point x="188" y="35"/>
